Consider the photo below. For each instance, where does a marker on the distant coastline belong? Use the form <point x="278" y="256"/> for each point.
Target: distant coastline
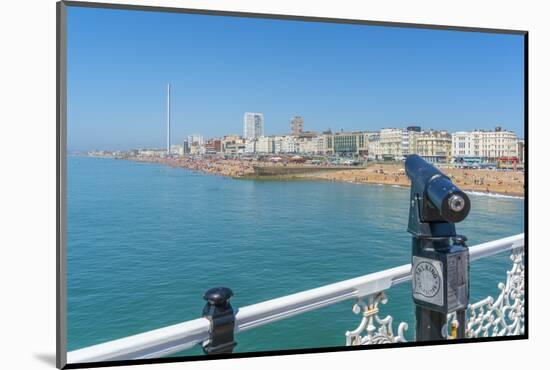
<point x="476" y="181"/>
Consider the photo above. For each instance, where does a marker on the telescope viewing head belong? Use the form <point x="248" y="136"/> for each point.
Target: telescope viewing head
<point x="436" y="203"/>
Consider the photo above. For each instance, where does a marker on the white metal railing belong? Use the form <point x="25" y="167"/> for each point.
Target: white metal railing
<point x="179" y="337"/>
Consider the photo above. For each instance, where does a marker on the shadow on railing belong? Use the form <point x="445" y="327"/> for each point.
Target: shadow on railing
<point x="489" y="317"/>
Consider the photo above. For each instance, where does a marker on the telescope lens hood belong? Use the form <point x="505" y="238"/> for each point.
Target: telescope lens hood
<point x="453" y="204"/>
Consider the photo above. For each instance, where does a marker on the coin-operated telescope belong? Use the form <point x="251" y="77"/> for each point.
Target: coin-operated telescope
<point x="440" y="258"/>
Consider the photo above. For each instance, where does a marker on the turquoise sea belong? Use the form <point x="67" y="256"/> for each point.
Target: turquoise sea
<point x="145" y="241"/>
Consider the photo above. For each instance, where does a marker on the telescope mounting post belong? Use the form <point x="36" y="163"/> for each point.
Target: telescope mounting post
<point x="440" y="258"/>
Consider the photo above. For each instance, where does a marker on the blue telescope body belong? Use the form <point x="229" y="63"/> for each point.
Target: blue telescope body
<point x="434" y="199"/>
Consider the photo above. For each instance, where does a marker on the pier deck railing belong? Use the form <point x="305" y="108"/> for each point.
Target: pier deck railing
<point x="490" y="317"/>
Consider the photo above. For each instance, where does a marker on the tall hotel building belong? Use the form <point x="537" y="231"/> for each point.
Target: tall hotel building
<point x="297" y="125"/>
<point x="253" y="125"/>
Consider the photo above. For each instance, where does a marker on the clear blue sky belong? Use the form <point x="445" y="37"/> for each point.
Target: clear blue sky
<point x="337" y="76"/>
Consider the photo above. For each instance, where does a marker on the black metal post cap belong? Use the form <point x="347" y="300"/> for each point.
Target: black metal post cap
<point x="218" y="296"/>
<point x="460" y="239"/>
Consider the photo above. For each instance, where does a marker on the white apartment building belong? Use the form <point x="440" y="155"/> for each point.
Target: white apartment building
<point x="311" y="145"/>
<point x="253" y="125"/>
<point x="320" y="144"/>
<point x="466" y="144"/>
<point x="391" y="143"/>
<point x="277" y="144"/>
<point x="272" y="144"/>
<point x="289" y="144"/>
<point x="150" y="152"/>
<point x="499" y="144"/>
<point x="176" y="149"/>
<point x="250" y="146"/>
<point x="408" y="142"/>
<point x="485" y="145"/>
<point x="374" y="146"/>
<point x="195" y="138"/>
<point x="264" y="144"/>
<point x="196" y="149"/>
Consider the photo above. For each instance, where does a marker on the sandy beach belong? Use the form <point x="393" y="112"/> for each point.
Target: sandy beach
<point x="478" y="180"/>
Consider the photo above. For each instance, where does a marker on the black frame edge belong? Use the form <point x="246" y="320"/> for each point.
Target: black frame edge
<point x="61" y="129"/>
<point x="288" y="352"/>
<point x="228" y="13"/>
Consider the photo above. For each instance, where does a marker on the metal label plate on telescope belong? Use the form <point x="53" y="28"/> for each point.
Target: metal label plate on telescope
<point x="427" y="280"/>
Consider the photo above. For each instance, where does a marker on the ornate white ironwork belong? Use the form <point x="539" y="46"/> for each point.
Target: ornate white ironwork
<point x="489" y="317"/>
<point x="378" y="330"/>
<point x="505" y="315"/>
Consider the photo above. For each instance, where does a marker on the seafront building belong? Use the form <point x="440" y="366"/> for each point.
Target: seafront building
<point x="396" y="143"/>
<point x="250" y="146"/>
<point x="311" y="143"/>
<point x="346" y="143"/>
<point x="213" y="146"/>
<point x="435" y="146"/>
<point x="374" y="152"/>
<point x="177" y="149"/>
<point x="151" y="152"/>
<point x="195" y="139"/>
<point x="391" y="143"/>
<point x="498" y="144"/>
<point x="194" y="145"/>
<point x="233" y="145"/>
<point x="388" y="144"/>
<point x="253" y="126"/>
<point x="289" y="144"/>
<point x="265" y="144"/>
<point x="307" y="143"/>
<point x="486" y="146"/>
<point x="408" y="139"/>
<point x="466" y="144"/>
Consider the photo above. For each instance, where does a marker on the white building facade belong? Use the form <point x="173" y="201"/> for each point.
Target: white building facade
<point x="195" y="139"/>
<point x="373" y="146"/>
<point x="486" y="146"/>
<point x="311" y="145"/>
<point x="289" y="144"/>
<point x="391" y="143"/>
<point x="264" y="145"/>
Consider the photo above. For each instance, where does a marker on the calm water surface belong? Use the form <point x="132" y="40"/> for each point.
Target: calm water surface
<point x="146" y="241"/>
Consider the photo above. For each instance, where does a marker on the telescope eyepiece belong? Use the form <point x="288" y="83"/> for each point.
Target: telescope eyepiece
<point x="451" y="203"/>
<point x="456" y="203"/>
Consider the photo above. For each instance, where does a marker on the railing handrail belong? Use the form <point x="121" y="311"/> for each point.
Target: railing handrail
<point x="179" y="337"/>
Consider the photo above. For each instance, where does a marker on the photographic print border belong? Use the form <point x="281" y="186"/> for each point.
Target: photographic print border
<point x="61" y="186"/>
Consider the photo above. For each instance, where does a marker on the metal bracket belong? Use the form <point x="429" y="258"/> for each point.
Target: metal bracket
<point x="219" y="312"/>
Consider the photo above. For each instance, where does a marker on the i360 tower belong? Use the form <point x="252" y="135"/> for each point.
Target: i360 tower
<point x="168" y="120"/>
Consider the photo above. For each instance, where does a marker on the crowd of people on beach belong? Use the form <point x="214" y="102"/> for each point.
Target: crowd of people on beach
<point x="481" y="180"/>
<point x="214" y="165"/>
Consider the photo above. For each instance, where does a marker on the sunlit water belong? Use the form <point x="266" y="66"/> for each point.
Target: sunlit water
<point x="146" y="241"/>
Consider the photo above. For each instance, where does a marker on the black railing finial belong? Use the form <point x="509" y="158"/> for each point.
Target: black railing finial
<point x="219" y="312"/>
